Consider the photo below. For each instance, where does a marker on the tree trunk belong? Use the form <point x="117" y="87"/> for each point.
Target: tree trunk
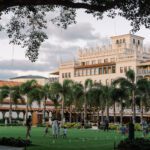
<point x="93" y="115"/>
<point x="102" y="116"/>
<point x="44" y="110"/>
<point x="98" y="114"/>
<point x="107" y="110"/>
<point x="85" y="111"/>
<point x="133" y="107"/>
<point x="27" y="109"/>
<point x="141" y="119"/>
<point x="70" y="115"/>
<point x="10" y="112"/>
<point x="62" y="111"/>
<point x="114" y="110"/>
<point x="121" y="113"/>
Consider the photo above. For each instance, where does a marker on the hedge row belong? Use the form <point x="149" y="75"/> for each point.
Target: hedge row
<point x="19" y="142"/>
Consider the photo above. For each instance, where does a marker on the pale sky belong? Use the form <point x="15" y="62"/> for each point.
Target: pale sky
<point x="62" y="44"/>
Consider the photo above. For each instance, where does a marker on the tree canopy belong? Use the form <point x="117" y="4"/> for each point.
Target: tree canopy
<point x="28" y="20"/>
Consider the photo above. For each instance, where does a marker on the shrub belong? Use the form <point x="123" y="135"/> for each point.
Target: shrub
<point x="72" y="125"/>
<point x="137" y="144"/>
<point x="137" y="127"/>
<point x="14" y="142"/>
<point x="87" y="126"/>
<point x="113" y="126"/>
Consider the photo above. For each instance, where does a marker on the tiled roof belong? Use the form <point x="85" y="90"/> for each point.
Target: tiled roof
<point x="7" y="101"/>
<point x="30" y="77"/>
<point x="9" y="83"/>
<point x="23" y="109"/>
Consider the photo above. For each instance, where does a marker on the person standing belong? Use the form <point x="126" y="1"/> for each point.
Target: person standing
<point x="106" y="126"/>
<point x="47" y="126"/>
<point x="55" y="128"/>
<point x="64" y="132"/>
<point x="28" y="125"/>
<point x="145" y="128"/>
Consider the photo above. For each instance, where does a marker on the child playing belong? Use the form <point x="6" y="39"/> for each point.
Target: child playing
<point x="123" y="130"/>
<point x="64" y="132"/>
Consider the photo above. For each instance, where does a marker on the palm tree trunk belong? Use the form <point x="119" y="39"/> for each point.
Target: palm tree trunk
<point x="121" y="113"/>
<point x="70" y="115"/>
<point x="102" y="116"/>
<point x="10" y="112"/>
<point x="85" y="111"/>
<point x="107" y="110"/>
<point x="62" y="111"/>
<point x="93" y="115"/>
<point x="27" y="109"/>
<point x="133" y="106"/>
<point x="44" y="110"/>
<point x="98" y="114"/>
<point x="141" y="119"/>
<point x="114" y="110"/>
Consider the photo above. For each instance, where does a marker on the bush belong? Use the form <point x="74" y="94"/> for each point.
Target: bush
<point x="14" y="142"/>
<point x="138" y="127"/>
<point x="72" y="125"/>
<point x="87" y="126"/>
<point x="113" y="126"/>
<point x="137" y="144"/>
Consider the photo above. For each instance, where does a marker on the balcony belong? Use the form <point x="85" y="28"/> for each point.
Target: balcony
<point x="95" y="65"/>
<point x="143" y="72"/>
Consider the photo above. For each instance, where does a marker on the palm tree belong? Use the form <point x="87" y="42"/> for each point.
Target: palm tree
<point x="13" y="94"/>
<point x="94" y="97"/>
<point x="54" y="97"/>
<point x="129" y="83"/>
<point x="25" y="90"/>
<point x="36" y="95"/>
<point x="106" y="90"/>
<point x="63" y="90"/>
<point x="46" y="92"/>
<point x="77" y="96"/>
<point x="119" y="95"/>
<point x="142" y="92"/>
<point x="86" y="88"/>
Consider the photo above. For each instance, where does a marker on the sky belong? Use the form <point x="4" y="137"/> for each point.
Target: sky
<point x="62" y="45"/>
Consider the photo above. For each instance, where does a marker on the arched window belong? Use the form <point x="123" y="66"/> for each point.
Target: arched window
<point x="117" y="41"/>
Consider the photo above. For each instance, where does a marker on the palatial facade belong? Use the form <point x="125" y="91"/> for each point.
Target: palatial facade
<point x="107" y="63"/>
<point x="104" y="64"/>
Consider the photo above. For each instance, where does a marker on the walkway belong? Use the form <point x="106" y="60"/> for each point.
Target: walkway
<point x="10" y="148"/>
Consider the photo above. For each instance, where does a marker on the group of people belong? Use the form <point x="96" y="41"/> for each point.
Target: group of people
<point x="55" y="128"/>
<point x="56" y="125"/>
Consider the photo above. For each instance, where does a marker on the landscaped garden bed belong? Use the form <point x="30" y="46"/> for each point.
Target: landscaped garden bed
<point x="16" y="142"/>
<point x="137" y="144"/>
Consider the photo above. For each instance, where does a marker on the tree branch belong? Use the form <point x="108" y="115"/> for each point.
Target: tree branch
<point x="4" y="4"/>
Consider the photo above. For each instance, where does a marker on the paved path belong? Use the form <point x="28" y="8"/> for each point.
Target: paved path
<point x="10" y="148"/>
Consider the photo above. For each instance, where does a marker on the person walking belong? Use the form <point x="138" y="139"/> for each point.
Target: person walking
<point x="28" y="125"/>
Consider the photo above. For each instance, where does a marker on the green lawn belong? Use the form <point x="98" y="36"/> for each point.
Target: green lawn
<point x="85" y="139"/>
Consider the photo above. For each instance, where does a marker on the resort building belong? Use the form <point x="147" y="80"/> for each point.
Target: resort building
<point x="106" y="63"/>
<point x="19" y="109"/>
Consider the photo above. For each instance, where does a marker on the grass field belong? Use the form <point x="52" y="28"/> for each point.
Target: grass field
<point x="85" y="139"/>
